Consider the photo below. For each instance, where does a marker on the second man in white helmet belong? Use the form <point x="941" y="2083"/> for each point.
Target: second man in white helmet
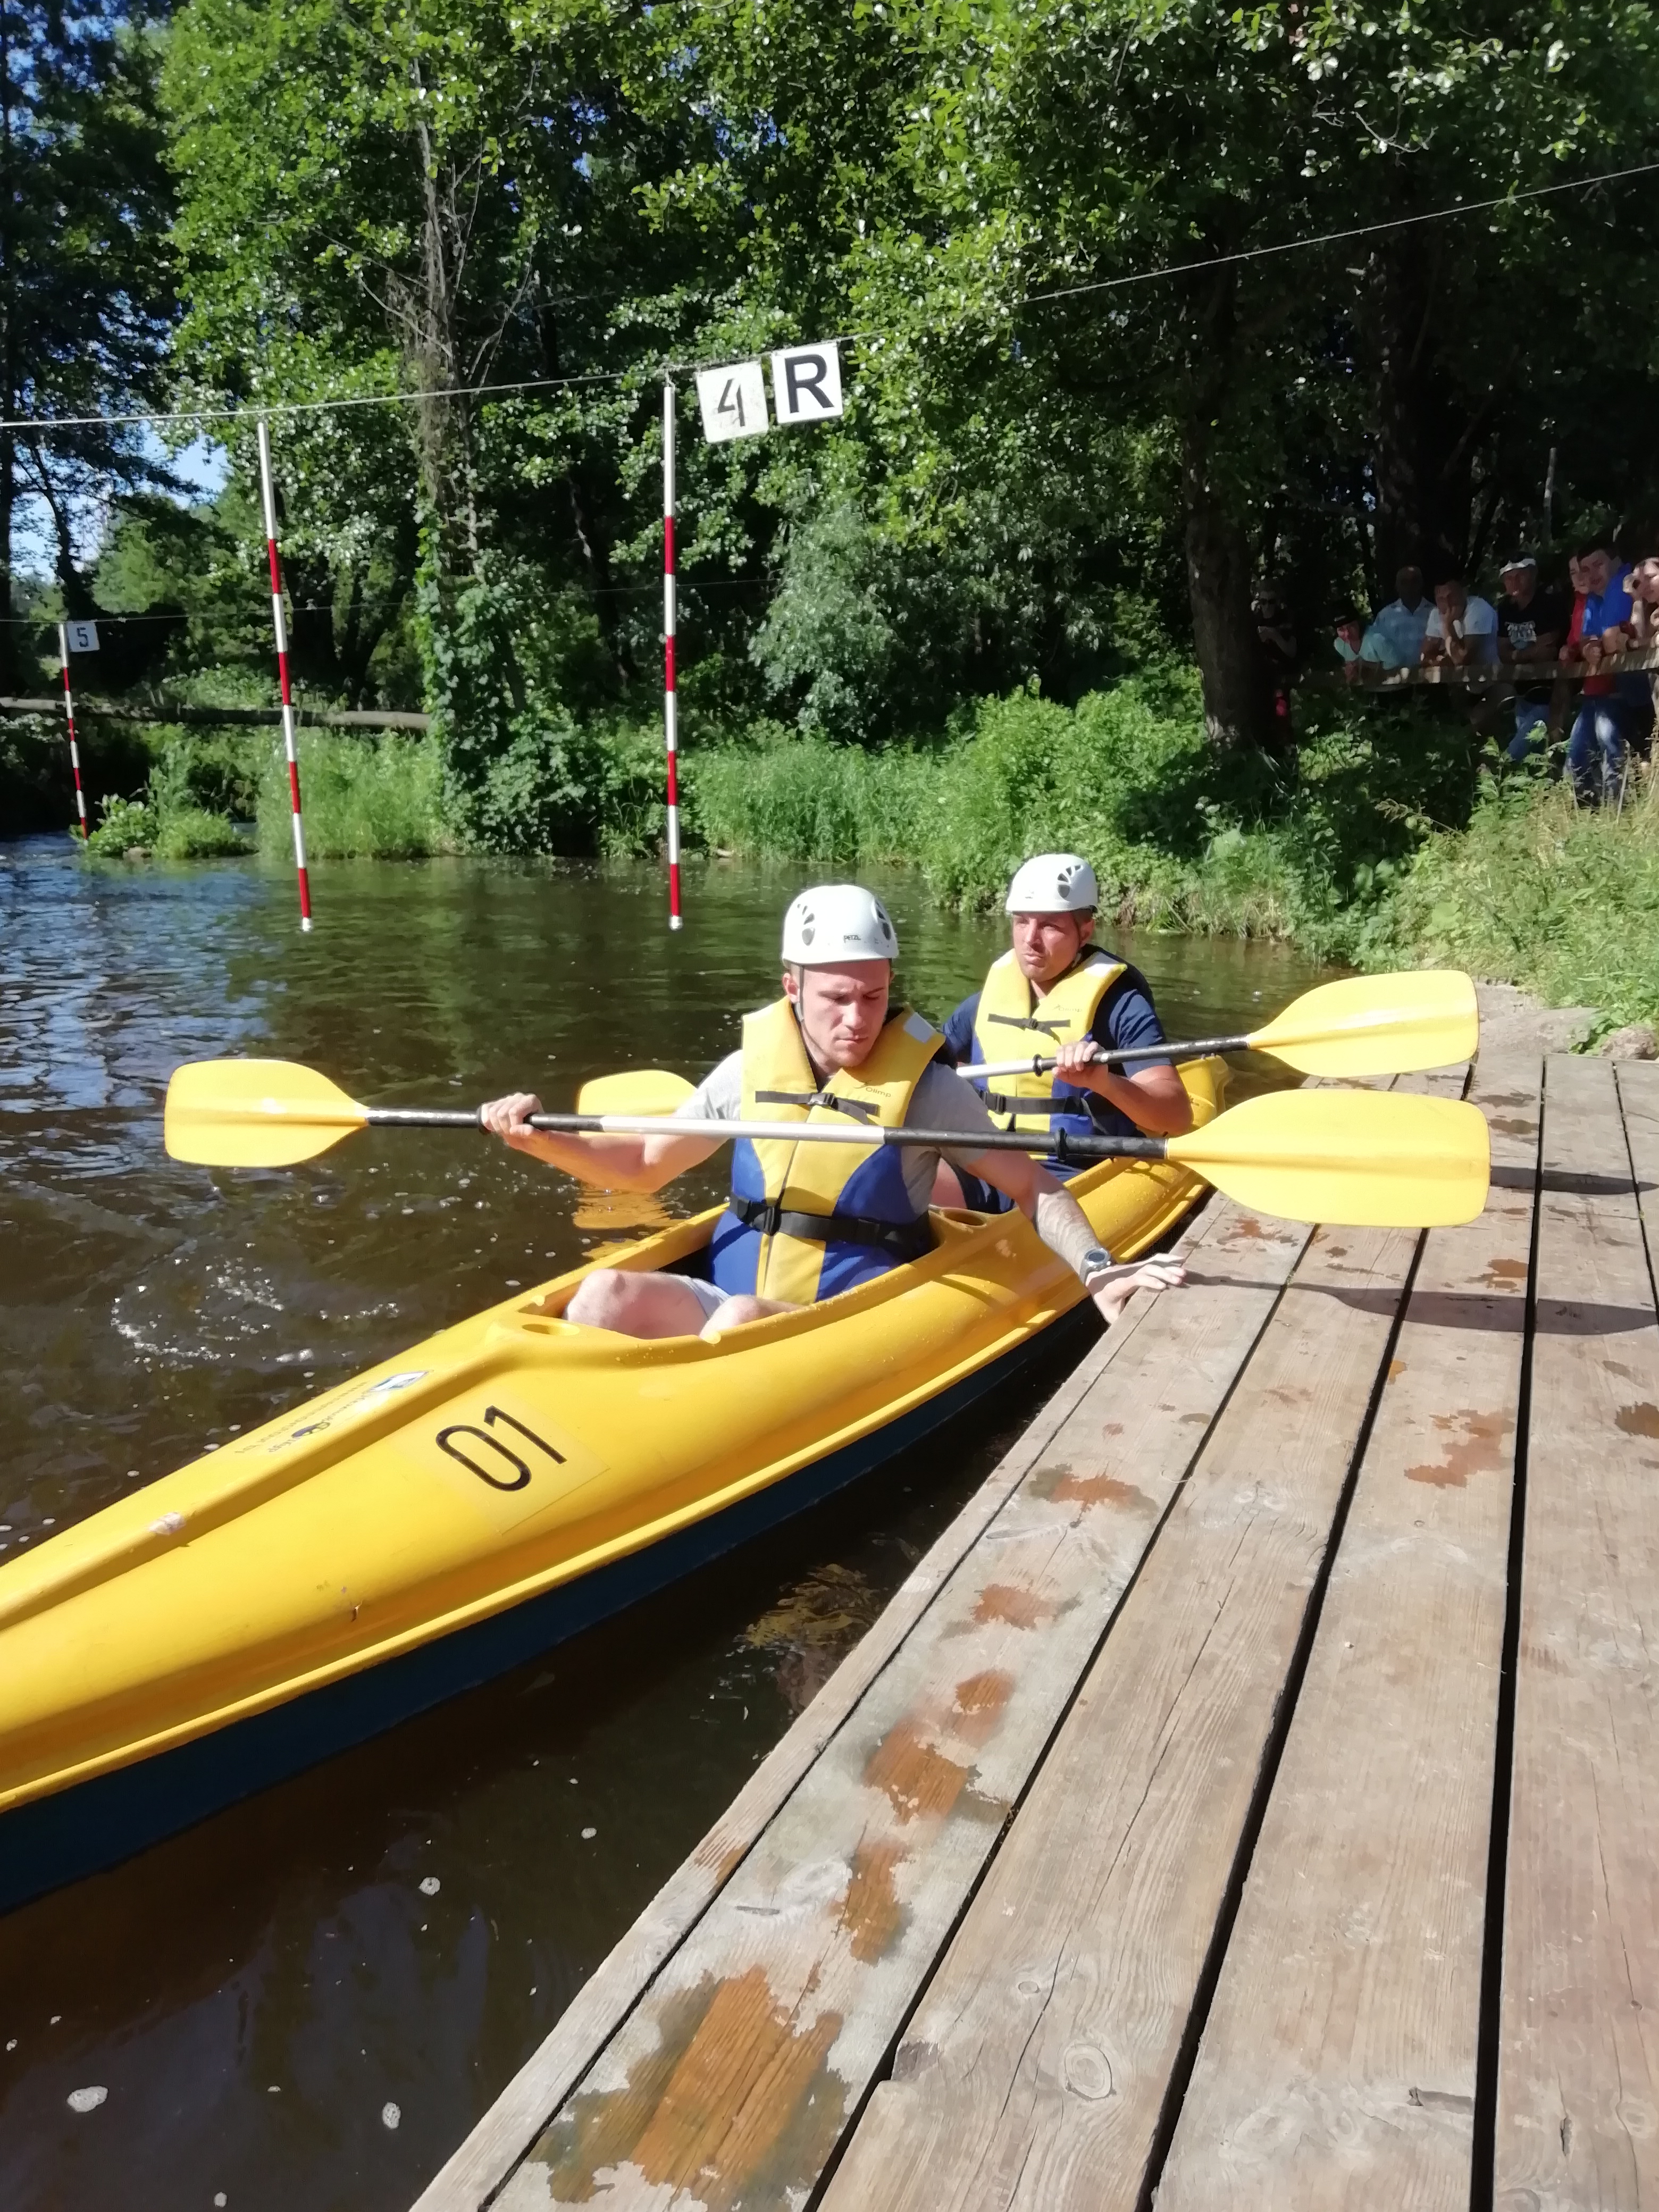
<point x="804" y="1221"/>
<point x="1056" y="992"/>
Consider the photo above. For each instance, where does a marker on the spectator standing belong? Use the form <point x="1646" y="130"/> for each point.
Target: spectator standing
<point x="1614" y="708"/>
<point x="1276" y="643"/>
<point x="1644" y="588"/>
<point x="1531" y="626"/>
<point x="1394" y="639"/>
<point x="1349" y="639"/>
<point x="1461" y="627"/>
<point x="1643" y="585"/>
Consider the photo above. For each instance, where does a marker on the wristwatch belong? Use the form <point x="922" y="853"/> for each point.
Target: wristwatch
<point x="1095" y="1259"/>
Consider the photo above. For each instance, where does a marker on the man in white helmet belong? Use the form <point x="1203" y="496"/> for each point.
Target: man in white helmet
<point x="807" y="1220"/>
<point x="1056" y="992"/>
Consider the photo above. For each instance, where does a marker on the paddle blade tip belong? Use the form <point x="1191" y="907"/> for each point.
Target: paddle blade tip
<point x="253" y="1113"/>
<point x="1395" y="1025"/>
<point x="635" y="1090"/>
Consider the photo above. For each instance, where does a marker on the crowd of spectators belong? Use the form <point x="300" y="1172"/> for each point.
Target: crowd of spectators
<point x="1534" y="630"/>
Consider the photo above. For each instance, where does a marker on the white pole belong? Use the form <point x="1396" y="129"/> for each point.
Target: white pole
<point x="670" y="700"/>
<point x="69" y="716"/>
<point x="281" y="624"/>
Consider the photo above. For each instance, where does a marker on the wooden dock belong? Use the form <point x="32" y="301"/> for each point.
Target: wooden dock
<point x="1252" y="1799"/>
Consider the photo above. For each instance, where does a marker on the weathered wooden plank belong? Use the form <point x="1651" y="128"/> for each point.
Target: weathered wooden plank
<point x="1238" y="1264"/>
<point x="1035" y="2068"/>
<point x="1578" y="2060"/>
<point x="1637" y="1082"/>
<point x="1338" y="2064"/>
<point x="735" y="2076"/>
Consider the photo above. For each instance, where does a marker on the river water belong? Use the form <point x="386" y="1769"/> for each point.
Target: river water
<point x="256" y="1997"/>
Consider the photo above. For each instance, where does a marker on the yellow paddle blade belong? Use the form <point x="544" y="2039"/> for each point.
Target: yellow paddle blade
<point x="1362" y="1158"/>
<point x="255" y="1113"/>
<point x="1378" y="1025"/>
<point x="636" y="1091"/>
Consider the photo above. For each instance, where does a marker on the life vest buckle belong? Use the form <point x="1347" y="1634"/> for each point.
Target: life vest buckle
<point x="858" y="1110"/>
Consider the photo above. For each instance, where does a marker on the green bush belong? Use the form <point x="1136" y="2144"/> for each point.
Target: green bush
<point x="1181" y="837"/>
<point x="1538" y="891"/>
<point x="127" y="825"/>
<point x="190" y="833"/>
<point x="361" y="796"/>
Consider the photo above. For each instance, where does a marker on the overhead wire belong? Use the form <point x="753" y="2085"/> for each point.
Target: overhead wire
<point x="1458" y="209"/>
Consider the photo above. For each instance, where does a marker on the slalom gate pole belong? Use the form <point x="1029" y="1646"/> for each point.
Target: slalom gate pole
<point x="670" y="623"/>
<point x="280" y="622"/>
<point x="69" y="716"/>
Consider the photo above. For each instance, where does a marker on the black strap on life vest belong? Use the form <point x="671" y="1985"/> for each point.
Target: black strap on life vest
<point x="1003" y="1102"/>
<point x="860" y="1109"/>
<point x="1027" y="1022"/>
<point x="899" y="1240"/>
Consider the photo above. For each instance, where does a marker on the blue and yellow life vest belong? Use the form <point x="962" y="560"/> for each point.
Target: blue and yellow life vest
<point x="1012" y="1019"/>
<point x="770" y="1240"/>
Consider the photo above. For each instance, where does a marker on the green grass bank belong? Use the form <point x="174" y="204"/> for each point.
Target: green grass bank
<point x="1386" y="843"/>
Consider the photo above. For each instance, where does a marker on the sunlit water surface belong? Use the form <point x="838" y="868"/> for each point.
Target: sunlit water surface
<point x="400" y="1927"/>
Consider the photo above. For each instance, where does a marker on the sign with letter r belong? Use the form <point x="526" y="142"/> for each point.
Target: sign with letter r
<point x="807" y="383"/>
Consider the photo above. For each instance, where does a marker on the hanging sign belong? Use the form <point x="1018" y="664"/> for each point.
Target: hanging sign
<point x="734" y="401"/>
<point x="806" y="382"/>
<point x="82" y="637"/>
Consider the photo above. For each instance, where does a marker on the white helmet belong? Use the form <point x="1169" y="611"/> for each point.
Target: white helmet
<point x="837" y="921"/>
<point x="1053" y="882"/>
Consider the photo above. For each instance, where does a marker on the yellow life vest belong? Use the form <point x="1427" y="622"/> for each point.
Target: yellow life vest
<point x="1012" y="1019"/>
<point x="766" y="1243"/>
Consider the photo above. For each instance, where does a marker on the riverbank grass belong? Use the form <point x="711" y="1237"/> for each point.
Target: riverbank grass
<point x="1538" y="891"/>
<point x="362" y="797"/>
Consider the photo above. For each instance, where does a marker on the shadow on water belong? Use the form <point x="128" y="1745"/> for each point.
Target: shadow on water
<point x="255" y="1993"/>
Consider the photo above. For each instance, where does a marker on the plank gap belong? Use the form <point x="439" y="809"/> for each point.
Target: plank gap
<point x="1209" y="1978"/>
<point x="1483" y="2145"/>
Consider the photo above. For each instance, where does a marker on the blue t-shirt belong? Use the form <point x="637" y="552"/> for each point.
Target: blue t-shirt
<point x="1606" y="611"/>
<point x="1126" y="1017"/>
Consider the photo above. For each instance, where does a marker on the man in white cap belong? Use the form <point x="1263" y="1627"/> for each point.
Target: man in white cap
<point x="807" y="1220"/>
<point x="1055" y="990"/>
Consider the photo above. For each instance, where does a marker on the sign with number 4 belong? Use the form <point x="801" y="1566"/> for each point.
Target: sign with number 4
<point x="733" y="401"/>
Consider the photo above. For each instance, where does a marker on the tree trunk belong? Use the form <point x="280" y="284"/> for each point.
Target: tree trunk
<point x="1236" y="703"/>
<point x="1419" y="460"/>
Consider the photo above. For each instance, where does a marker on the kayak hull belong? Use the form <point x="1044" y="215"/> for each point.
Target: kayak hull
<point x="84" y="1830"/>
<point x="443" y="1518"/>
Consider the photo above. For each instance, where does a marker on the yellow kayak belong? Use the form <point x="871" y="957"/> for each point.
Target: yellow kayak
<point x="447" y="1514"/>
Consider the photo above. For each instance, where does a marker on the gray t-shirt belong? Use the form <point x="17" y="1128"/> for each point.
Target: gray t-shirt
<point x="941" y="1100"/>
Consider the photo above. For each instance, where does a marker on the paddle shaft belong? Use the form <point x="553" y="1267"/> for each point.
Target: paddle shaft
<point x="1060" y="1144"/>
<point x="1042" y="1063"/>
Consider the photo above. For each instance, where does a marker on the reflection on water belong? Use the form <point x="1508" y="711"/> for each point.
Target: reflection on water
<point x="403" y="1925"/>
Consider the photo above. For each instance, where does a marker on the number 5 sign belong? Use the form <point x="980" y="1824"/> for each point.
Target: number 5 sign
<point x="733" y="401"/>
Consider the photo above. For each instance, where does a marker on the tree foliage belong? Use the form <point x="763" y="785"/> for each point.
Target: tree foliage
<point x="1093" y="400"/>
<point x="85" y="298"/>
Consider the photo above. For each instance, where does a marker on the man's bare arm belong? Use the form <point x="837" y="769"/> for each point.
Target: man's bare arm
<point x="612" y="1163"/>
<point x="1064" y="1228"/>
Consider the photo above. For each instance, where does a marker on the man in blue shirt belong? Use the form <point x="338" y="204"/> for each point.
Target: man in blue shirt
<point x="1056" y="992"/>
<point x="1615" y="708"/>
<point x="1394" y="639"/>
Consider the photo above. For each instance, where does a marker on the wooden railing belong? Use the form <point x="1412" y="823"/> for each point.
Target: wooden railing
<point x="117" y="710"/>
<point x="1480" y="675"/>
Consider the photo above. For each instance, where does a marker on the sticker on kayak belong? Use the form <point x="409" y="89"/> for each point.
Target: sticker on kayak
<point x="505" y="1459"/>
<point x="323" y="1413"/>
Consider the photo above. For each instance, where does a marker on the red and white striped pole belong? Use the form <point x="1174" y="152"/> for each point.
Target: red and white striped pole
<point x="670" y="700"/>
<point x="69" y="716"/>
<point x="281" y="625"/>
